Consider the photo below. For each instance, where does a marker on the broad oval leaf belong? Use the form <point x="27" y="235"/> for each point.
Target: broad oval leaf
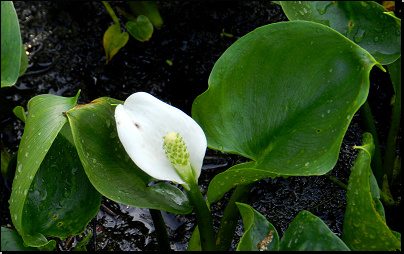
<point x="108" y="166"/>
<point x="10" y="44"/>
<point x="364" y="228"/>
<point x="259" y="234"/>
<point x="307" y="232"/>
<point x="365" y="23"/>
<point x="44" y="121"/>
<point x="282" y="97"/>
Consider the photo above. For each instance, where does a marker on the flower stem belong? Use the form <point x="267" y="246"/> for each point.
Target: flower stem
<point x="161" y="230"/>
<point x="203" y="216"/>
<point x="111" y="13"/>
<point x="391" y="146"/>
<point x="230" y="217"/>
<point x="369" y="123"/>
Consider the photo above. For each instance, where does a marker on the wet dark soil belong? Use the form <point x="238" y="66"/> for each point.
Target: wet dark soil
<point x="64" y="40"/>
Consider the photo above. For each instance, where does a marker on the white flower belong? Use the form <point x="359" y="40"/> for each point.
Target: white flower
<point x="143" y="122"/>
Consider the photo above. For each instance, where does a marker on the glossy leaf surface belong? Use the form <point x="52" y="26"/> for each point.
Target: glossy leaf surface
<point x="44" y="121"/>
<point x="364" y="228"/>
<point x="362" y="22"/>
<point x="259" y="234"/>
<point x="108" y="166"/>
<point x="10" y="44"/>
<point x="114" y="40"/>
<point x="141" y="29"/>
<point x="61" y="200"/>
<point x="283" y="98"/>
<point x="307" y="232"/>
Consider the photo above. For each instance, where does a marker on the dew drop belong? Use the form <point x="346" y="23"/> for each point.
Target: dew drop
<point x="376" y="39"/>
<point x="359" y="35"/>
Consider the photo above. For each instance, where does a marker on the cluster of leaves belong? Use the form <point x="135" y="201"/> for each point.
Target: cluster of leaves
<point x="140" y="27"/>
<point x="282" y="96"/>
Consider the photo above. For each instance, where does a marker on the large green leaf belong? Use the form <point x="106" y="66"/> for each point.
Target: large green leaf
<point x="259" y="234"/>
<point x="364" y="228"/>
<point x="108" y="166"/>
<point x="282" y="97"/>
<point x="44" y="121"/>
<point x="362" y="22"/>
<point x="10" y="44"/>
<point x="307" y="232"/>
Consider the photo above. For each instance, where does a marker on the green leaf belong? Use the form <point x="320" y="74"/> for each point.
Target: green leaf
<point x="364" y="228"/>
<point x="242" y="174"/>
<point x="362" y="22"/>
<point x="283" y="98"/>
<point x="24" y="61"/>
<point x="194" y="243"/>
<point x="259" y="234"/>
<point x="307" y="232"/>
<point x="44" y="121"/>
<point x="148" y="9"/>
<point x="108" y="166"/>
<point x="12" y="241"/>
<point x="54" y="201"/>
<point x="20" y="113"/>
<point x="114" y="40"/>
<point x="10" y="44"/>
<point x="142" y="29"/>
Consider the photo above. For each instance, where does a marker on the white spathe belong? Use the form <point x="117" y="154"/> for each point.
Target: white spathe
<point x="143" y="121"/>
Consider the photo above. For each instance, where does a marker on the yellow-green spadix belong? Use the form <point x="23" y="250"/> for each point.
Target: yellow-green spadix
<point x="144" y="121"/>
